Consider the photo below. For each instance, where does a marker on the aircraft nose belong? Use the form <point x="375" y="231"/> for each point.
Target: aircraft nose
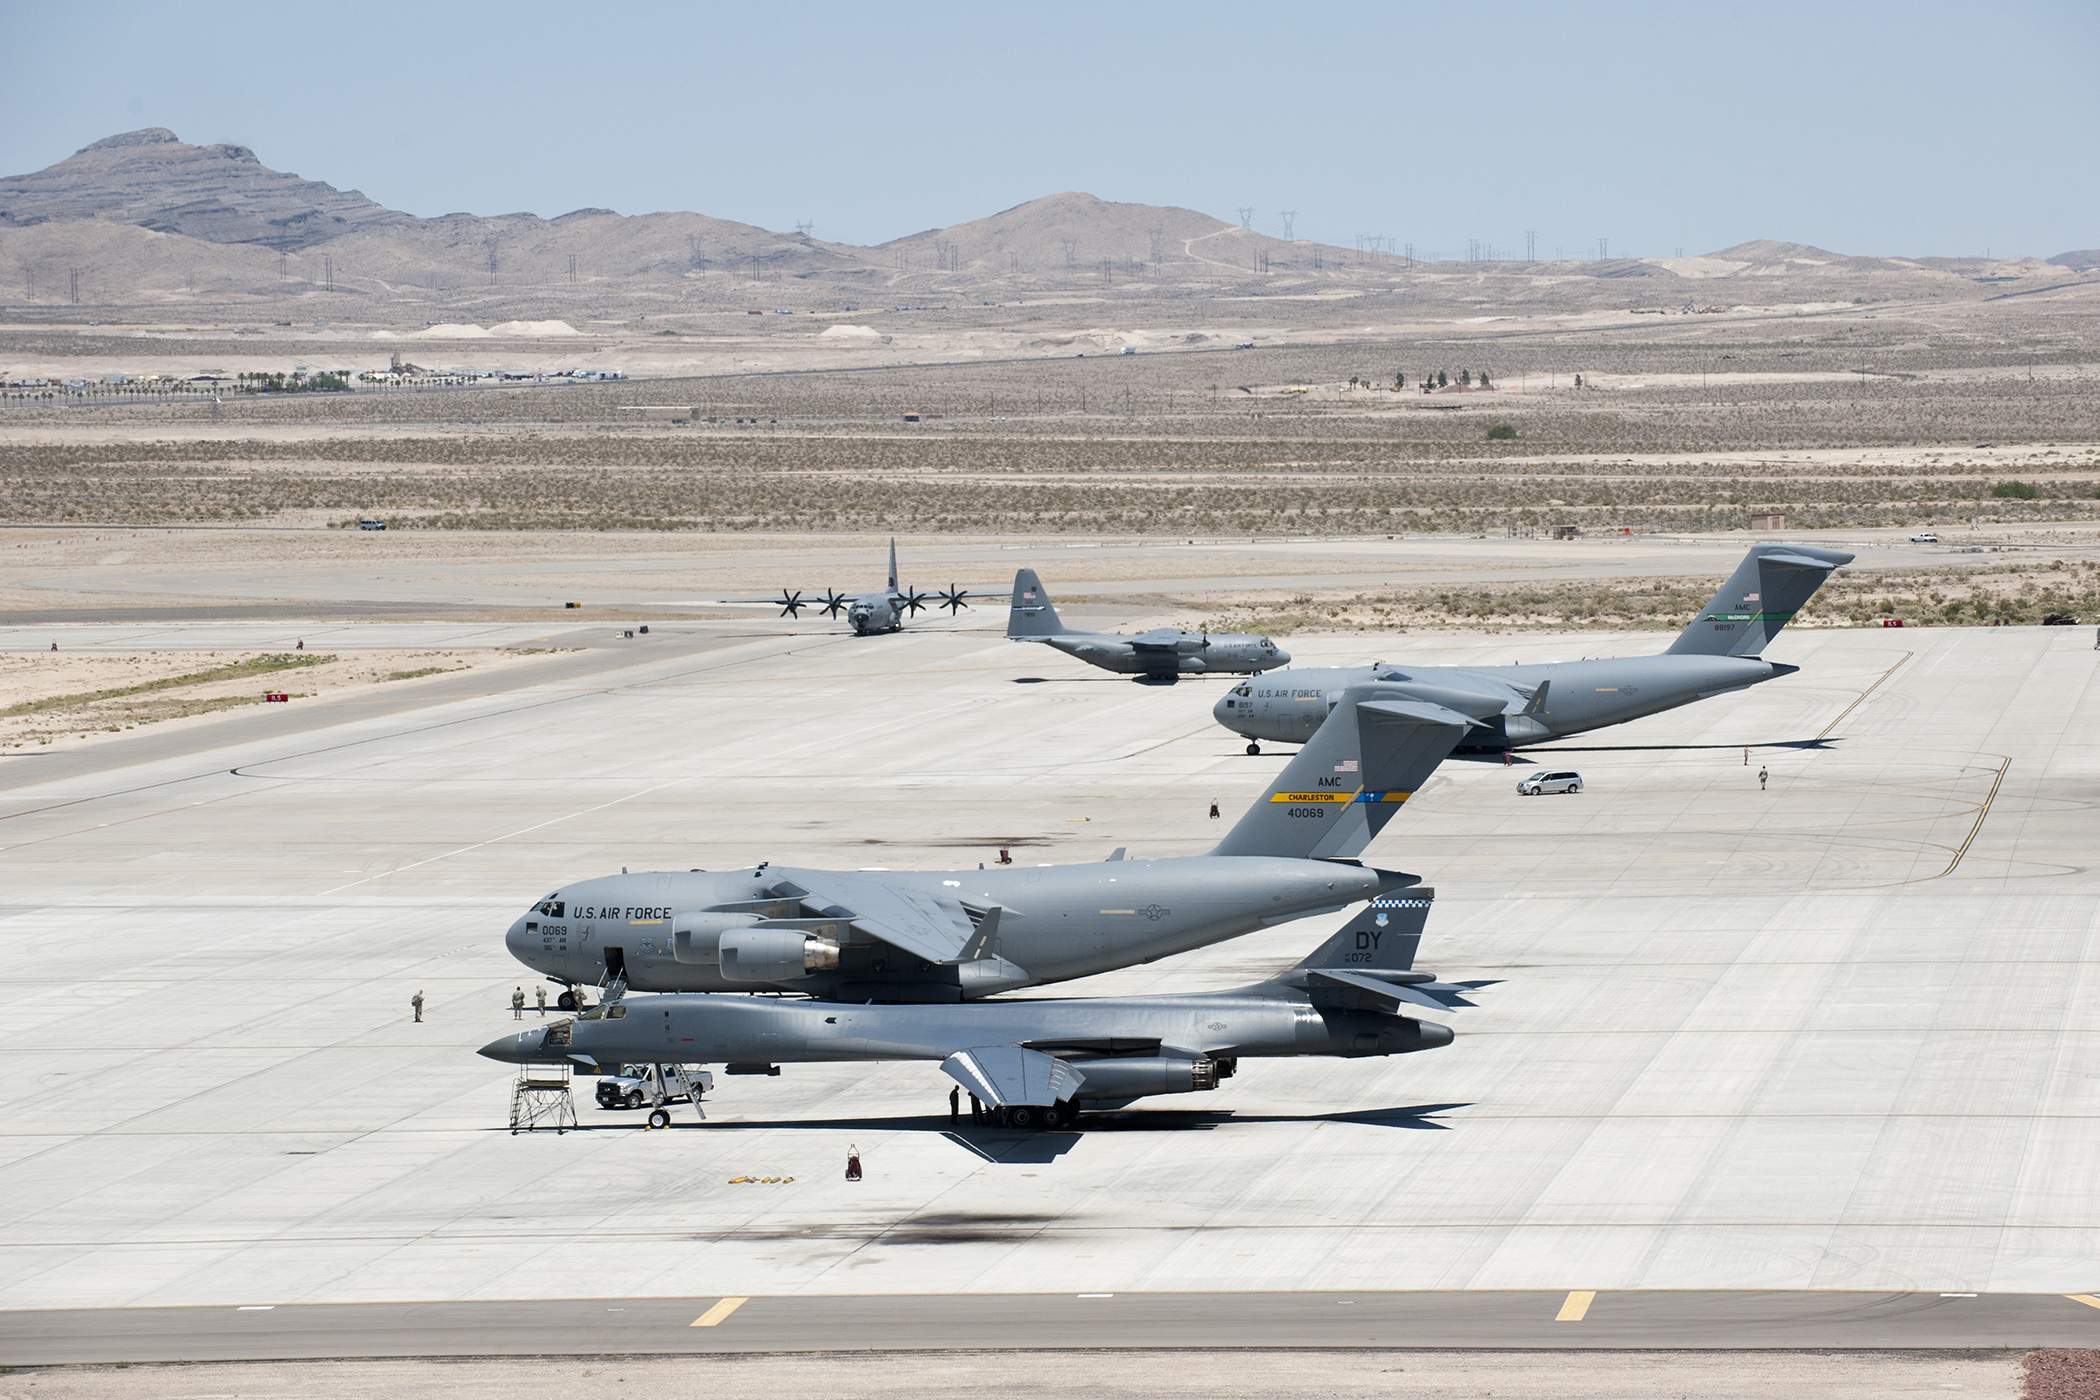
<point x="517" y="943"/>
<point x="1283" y="658"/>
<point x="514" y="1049"/>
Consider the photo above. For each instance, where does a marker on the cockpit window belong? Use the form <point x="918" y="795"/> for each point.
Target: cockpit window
<point x="552" y="908"/>
<point x="1244" y="691"/>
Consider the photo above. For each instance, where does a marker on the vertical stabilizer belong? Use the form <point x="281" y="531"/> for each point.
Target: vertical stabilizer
<point x="893" y="563"/>
<point x="1773" y="582"/>
<point x="1367" y="758"/>
<point x="1383" y="937"/>
<point x="1031" y="614"/>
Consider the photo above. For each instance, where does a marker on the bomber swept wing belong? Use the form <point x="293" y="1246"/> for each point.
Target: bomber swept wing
<point x="1009" y="1074"/>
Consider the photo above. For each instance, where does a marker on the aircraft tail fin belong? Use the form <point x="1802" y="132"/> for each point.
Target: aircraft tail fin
<point x="1383" y="937"/>
<point x="1367" y="758"/>
<point x="1773" y="582"/>
<point x="893" y="563"/>
<point x="1031" y="614"/>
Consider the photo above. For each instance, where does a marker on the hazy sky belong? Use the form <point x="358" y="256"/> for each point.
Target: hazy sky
<point x="1917" y="128"/>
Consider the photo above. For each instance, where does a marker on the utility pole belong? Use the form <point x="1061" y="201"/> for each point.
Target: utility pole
<point x="328" y="271"/>
<point x="1531" y="240"/>
<point x="74" y="276"/>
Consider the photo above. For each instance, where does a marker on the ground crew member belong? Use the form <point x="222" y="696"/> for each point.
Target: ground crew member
<point x="540" y="991"/>
<point x="1761" y="776"/>
<point x="955" y="1105"/>
<point x="976" y="1110"/>
<point x="1213" y="811"/>
<point x="416" y="1001"/>
<point x="517" y="1004"/>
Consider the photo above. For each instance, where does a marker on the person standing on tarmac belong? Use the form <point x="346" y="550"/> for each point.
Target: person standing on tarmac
<point x="955" y="1105"/>
<point x="1761" y="776"/>
<point x="540" y="991"/>
<point x="416" y="1002"/>
<point x="517" y="1004"/>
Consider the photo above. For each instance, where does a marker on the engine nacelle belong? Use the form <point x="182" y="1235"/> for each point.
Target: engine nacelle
<point x="774" y="954"/>
<point x="1138" y="1078"/>
<point x="1191" y="664"/>
<point x="696" y="938"/>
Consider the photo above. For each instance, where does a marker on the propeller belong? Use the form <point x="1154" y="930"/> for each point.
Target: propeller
<point x="832" y="603"/>
<point x="791" y="604"/>
<point x="912" y="599"/>
<point x="954" y="598"/>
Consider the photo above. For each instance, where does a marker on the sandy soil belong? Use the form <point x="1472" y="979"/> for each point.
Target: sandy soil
<point x="29" y="678"/>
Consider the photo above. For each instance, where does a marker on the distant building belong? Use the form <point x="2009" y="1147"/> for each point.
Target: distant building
<point x="1768" y="520"/>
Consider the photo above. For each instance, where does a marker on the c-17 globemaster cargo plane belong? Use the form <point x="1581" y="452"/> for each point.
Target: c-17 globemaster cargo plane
<point x="1161" y="654"/>
<point x="1035" y="1063"/>
<point x="1718" y="652"/>
<point x="956" y="935"/>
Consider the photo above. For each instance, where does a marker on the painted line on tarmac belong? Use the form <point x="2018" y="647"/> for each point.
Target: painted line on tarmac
<point x="2086" y="1298"/>
<point x="713" y="1316"/>
<point x="1862" y="696"/>
<point x="1577" y="1307"/>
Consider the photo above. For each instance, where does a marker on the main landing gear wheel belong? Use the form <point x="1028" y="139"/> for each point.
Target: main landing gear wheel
<point x="566" y="1001"/>
<point x="1061" y="1115"/>
<point x="659" y="1118"/>
<point x="1022" y="1116"/>
<point x="1254" y="749"/>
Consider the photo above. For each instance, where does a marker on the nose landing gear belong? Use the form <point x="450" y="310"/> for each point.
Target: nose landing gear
<point x="1254" y="748"/>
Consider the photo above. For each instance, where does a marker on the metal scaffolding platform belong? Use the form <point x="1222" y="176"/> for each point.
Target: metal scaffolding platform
<point x="540" y="1099"/>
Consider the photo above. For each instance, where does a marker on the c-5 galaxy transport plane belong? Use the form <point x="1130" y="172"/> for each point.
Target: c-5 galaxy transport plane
<point x="878" y="610"/>
<point x="1718" y="652"/>
<point x="1161" y="654"/>
<point x="956" y="935"/>
<point x="1037" y="1062"/>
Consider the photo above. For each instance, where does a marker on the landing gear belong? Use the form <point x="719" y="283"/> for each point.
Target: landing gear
<point x="566" y="1001"/>
<point x="1023" y="1116"/>
<point x="1034" y="1117"/>
<point x="1254" y="749"/>
<point x="659" y="1118"/>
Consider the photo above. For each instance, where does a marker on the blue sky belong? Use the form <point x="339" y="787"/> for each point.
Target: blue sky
<point x="1918" y="128"/>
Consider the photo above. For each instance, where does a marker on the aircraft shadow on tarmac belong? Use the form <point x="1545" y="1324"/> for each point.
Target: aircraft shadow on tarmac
<point x="1527" y="756"/>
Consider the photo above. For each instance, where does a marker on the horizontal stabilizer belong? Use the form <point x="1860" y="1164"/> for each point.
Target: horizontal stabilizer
<point x="1436" y="996"/>
<point x="1007" y="1074"/>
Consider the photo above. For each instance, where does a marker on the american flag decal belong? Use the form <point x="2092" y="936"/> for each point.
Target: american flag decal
<point x="1752" y="598"/>
<point x="1029" y="596"/>
<point x="1347" y="765"/>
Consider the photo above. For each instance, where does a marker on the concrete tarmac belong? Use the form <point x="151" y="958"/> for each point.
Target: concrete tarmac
<point x="1515" y="1320"/>
<point x="1832" y="1038"/>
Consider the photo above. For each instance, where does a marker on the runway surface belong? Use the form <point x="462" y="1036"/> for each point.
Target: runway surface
<point x="1832" y="1039"/>
<point x="1518" y="1320"/>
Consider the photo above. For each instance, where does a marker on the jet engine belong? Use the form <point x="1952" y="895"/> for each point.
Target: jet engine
<point x="745" y="951"/>
<point x="1134" y="1078"/>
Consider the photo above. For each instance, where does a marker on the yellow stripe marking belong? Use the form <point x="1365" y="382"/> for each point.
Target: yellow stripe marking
<point x="645" y="921"/>
<point x="1578" y="1305"/>
<point x="1313" y="797"/>
<point x="2086" y="1298"/>
<point x="714" y="1315"/>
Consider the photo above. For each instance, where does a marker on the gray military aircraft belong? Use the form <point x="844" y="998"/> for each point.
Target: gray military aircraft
<point x="1719" y="651"/>
<point x="878" y="610"/>
<point x="956" y="935"/>
<point x="1037" y="1062"/>
<point x="1164" y="653"/>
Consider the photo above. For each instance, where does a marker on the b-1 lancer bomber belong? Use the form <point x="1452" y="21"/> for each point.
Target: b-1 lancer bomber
<point x="877" y="610"/>
<point x="1036" y="1063"/>
<point x="1719" y="651"/>
<point x="956" y="935"/>
<point x="1162" y="654"/>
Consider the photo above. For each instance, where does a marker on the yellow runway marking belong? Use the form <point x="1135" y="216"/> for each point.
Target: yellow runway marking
<point x="714" y="1315"/>
<point x="2086" y="1298"/>
<point x="1578" y="1305"/>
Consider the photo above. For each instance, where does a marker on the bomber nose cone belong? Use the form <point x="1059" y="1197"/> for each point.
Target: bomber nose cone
<point x="514" y="1049"/>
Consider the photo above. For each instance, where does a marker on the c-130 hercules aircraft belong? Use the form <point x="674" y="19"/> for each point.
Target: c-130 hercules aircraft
<point x="1161" y="654"/>
<point x="878" y="610"/>
<point x="956" y="935"/>
<point x="1036" y="1063"/>
<point x="1719" y="651"/>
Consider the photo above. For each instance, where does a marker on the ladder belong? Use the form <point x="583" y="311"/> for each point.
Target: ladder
<point x="540" y="1099"/>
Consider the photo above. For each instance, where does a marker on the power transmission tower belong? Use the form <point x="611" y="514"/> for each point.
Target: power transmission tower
<point x="572" y="267"/>
<point x="328" y="271"/>
<point x="1287" y="216"/>
<point x="1106" y="279"/>
<point x="1603" y="250"/>
<point x="1410" y="257"/>
<point x="1159" y="238"/>
<point x="1531" y="240"/>
<point x="1246" y="215"/>
<point x="1071" y="253"/>
<point x="804" y="227"/>
<point x="74" y="277"/>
